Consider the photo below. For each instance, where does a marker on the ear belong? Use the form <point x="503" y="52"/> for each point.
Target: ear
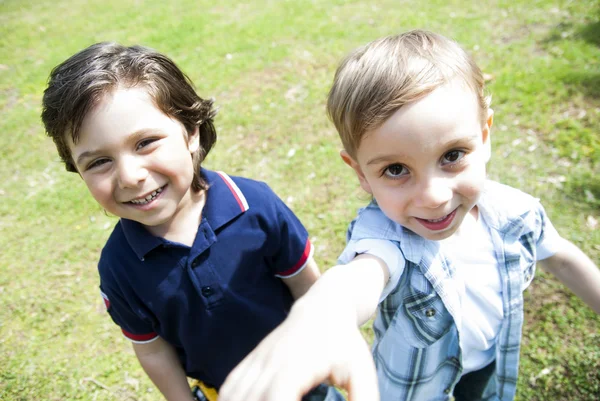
<point x="485" y="135"/>
<point x="359" y="173"/>
<point x="193" y="140"/>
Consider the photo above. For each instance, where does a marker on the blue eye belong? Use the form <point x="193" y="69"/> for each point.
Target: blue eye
<point x="395" y="171"/>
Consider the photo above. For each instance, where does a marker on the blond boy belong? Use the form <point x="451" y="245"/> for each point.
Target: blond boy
<point x="442" y="253"/>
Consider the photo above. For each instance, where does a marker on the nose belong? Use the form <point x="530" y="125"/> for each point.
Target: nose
<point x="130" y="172"/>
<point x="433" y="192"/>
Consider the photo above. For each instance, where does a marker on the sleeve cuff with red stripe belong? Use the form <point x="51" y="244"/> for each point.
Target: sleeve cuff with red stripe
<point x="301" y="264"/>
<point x="140" y="338"/>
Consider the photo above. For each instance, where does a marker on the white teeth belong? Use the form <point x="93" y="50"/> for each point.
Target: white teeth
<point x="437" y="220"/>
<point x="147" y="199"/>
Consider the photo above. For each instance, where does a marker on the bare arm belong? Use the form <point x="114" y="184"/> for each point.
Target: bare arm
<point x="319" y="341"/>
<point x="574" y="269"/>
<point x="160" y="362"/>
<point x="301" y="282"/>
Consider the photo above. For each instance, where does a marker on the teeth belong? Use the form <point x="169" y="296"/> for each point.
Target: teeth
<point x="437" y="220"/>
<point x="147" y="199"/>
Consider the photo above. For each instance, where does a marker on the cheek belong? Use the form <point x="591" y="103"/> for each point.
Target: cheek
<point x="391" y="200"/>
<point x="174" y="161"/>
<point x="472" y="183"/>
<point x="99" y="190"/>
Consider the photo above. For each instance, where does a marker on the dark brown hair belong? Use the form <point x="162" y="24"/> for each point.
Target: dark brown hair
<point x="78" y="84"/>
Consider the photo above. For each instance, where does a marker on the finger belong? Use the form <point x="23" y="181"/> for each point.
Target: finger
<point x="359" y="376"/>
<point x="239" y="381"/>
<point x="362" y="385"/>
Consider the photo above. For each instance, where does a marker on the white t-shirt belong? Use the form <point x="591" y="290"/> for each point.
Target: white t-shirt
<point x="481" y="302"/>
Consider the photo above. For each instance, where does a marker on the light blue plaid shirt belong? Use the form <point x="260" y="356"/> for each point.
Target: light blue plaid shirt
<point x="417" y="349"/>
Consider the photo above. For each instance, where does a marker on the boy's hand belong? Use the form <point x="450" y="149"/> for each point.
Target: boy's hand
<point x="319" y="341"/>
<point x="304" y="351"/>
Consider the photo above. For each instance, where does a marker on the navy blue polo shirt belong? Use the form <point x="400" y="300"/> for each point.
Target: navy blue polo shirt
<point x="216" y="300"/>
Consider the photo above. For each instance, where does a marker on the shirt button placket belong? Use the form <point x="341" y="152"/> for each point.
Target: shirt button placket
<point x="206" y="290"/>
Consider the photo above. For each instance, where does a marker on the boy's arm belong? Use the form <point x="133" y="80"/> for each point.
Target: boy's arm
<point x="161" y="364"/>
<point x="301" y="282"/>
<point x="319" y="341"/>
<point x="571" y="266"/>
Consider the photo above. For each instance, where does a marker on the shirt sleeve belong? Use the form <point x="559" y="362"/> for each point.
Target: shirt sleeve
<point x="548" y="241"/>
<point x="291" y="248"/>
<point x="385" y="250"/>
<point x="134" y="328"/>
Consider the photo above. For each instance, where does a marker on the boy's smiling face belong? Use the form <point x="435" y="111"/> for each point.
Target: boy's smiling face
<point x="426" y="165"/>
<point x="135" y="160"/>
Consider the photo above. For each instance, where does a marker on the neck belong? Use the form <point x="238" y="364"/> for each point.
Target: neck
<point x="467" y="228"/>
<point x="183" y="226"/>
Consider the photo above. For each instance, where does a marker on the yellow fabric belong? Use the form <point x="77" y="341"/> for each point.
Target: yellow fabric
<point x="209" y="392"/>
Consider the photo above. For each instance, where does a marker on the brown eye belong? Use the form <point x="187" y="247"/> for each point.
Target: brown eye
<point x="145" y="142"/>
<point x="96" y="163"/>
<point x="453" y="156"/>
<point x="395" y="170"/>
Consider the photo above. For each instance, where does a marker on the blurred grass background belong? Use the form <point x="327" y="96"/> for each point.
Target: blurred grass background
<point x="269" y="64"/>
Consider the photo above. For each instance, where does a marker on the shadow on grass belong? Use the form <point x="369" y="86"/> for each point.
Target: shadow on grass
<point x="582" y="79"/>
<point x="584" y="187"/>
<point x="590" y="33"/>
<point x="585" y="82"/>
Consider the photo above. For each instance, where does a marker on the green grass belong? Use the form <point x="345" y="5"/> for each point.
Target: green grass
<point x="269" y="65"/>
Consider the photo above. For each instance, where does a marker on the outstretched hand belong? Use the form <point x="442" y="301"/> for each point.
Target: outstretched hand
<point x="305" y="350"/>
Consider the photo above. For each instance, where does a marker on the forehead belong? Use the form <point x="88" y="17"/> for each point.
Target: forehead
<point x="123" y="108"/>
<point x="120" y="113"/>
<point x="449" y="113"/>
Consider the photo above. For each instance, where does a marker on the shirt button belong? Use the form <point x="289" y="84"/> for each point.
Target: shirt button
<point x="447" y="391"/>
<point x="207" y="291"/>
<point x="430" y="312"/>
<point x="195" y="263"/>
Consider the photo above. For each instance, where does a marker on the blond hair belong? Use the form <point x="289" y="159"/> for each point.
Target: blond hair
<point x="375" y="80"/>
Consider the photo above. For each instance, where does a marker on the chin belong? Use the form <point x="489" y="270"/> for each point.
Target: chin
<point x="435" y="235"/>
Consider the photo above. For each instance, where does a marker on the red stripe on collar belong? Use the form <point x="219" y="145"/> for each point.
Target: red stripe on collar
<point x="237" y="194"/>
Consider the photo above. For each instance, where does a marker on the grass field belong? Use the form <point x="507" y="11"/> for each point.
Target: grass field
<point x="269" y="65"/>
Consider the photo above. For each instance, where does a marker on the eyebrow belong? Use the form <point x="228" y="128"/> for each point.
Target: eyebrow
<point x="132" y="137"/>
<point x="401" y="156"/>
<point x="87" y="154"/>
<point x="385" y="158"/>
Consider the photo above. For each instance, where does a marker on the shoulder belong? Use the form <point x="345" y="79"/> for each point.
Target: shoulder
<point x="512" y="196"/>
<point x="116" y="251"/>
<point x="506" y="200"/>
<point x="260" y="204"/>
<point x="251" y="189"/>
<point x="505" y="206"/>
<point x="116" y="243"/>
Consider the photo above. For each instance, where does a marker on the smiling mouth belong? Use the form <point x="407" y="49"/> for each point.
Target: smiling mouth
<point x="149" y="198"/>
<point x="438" y="224"/>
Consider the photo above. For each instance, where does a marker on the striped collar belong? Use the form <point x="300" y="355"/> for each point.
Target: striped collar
<point x="224" y="202"/>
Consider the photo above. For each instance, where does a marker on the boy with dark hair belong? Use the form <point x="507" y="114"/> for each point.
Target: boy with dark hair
<point x="201" y="266"/>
